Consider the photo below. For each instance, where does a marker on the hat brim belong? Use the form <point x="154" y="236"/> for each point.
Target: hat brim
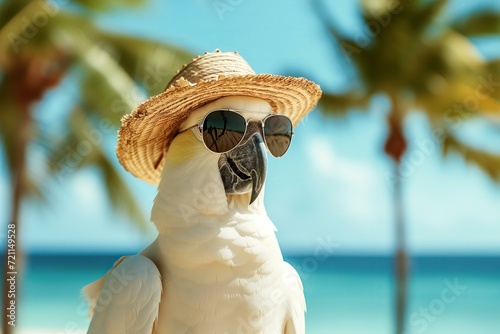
<point x="146" y="133"/>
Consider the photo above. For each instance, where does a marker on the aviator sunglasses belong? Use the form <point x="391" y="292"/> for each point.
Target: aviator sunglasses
<point x="224" y="129"/>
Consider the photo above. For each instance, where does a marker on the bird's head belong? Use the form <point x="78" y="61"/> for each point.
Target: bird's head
<point x="212" y="165"/>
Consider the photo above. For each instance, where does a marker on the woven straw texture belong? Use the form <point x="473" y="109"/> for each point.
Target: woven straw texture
<point x="146" y="133"/>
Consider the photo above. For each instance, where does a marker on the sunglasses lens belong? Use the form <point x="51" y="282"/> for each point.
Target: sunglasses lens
<point x="223" y="130"/>
<point x="278" y="134"/>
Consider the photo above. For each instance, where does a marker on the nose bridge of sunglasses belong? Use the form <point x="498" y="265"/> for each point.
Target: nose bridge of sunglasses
<point x="253" y="126"/>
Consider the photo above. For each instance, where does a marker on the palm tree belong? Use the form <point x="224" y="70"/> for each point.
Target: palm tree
<point x="408" y="53"/>
<point x="42" y="42"/>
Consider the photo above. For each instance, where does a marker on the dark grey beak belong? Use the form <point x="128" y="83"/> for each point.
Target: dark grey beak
<point x="245" y="167"/>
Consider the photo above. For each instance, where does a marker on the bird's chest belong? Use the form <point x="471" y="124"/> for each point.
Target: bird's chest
<point x="223" y="280"/>
<point x="220" y="299"/>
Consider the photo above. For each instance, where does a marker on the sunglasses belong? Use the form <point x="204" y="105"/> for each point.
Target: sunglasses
<point x="224" y="129"/>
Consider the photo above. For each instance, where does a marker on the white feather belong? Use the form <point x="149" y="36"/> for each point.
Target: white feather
<point x="128" y="299"/>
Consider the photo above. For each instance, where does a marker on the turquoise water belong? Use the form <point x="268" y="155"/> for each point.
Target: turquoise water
<point x="346" y="295"/>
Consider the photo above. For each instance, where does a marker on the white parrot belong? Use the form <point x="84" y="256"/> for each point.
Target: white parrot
<point x="216" y="266"/>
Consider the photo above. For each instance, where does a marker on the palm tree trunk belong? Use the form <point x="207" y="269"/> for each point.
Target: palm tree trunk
<point x="401" y="258"/>
<point x="18" y="187"/>
<point x="395" y="147"/>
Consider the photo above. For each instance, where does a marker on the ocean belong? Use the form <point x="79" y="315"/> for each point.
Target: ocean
<point x="344" y="294"/>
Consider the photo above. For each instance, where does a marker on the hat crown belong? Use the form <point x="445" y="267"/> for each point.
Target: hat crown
<point x="211" y="66"/>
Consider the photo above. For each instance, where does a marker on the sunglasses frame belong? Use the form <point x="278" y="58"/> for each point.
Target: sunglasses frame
<point x="199" y="125"/>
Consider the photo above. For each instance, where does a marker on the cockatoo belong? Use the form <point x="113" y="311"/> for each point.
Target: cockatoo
<point x="215" y="266"/>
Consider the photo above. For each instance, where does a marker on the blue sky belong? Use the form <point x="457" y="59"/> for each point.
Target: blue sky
<point x="330" y="185"/>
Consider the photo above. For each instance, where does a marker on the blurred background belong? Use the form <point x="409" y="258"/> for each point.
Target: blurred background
<point x="387" y="203"/>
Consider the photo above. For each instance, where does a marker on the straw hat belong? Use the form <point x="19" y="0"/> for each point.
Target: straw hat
<point x="146" y="133"/>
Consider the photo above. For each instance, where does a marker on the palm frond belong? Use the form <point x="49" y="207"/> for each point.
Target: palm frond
<point x="76" y="150"/>
<point x="13" y="16"/>
<point x="488" y="162"/>
<point x="35" y="188"/>
<point x="104" y="5"/>
<point x="479" y="24"/>
<point x="425" y="16"/>
<point x="73" y="149"/>
<point x="118" y="71"/>
<point x="348" y="48"/>
<point x="95" y="57"/>
<point x="459" y="101"/>
<point x="107" y="89"/>
<point x="149" y="63"/>
<point x="120" y="195"/>
<point x="491" y="71"/>
<point x="340" y="104"/>
<point x="9" y="9"/>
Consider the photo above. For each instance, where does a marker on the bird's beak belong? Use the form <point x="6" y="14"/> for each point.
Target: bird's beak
<point x="245" y="167"/>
